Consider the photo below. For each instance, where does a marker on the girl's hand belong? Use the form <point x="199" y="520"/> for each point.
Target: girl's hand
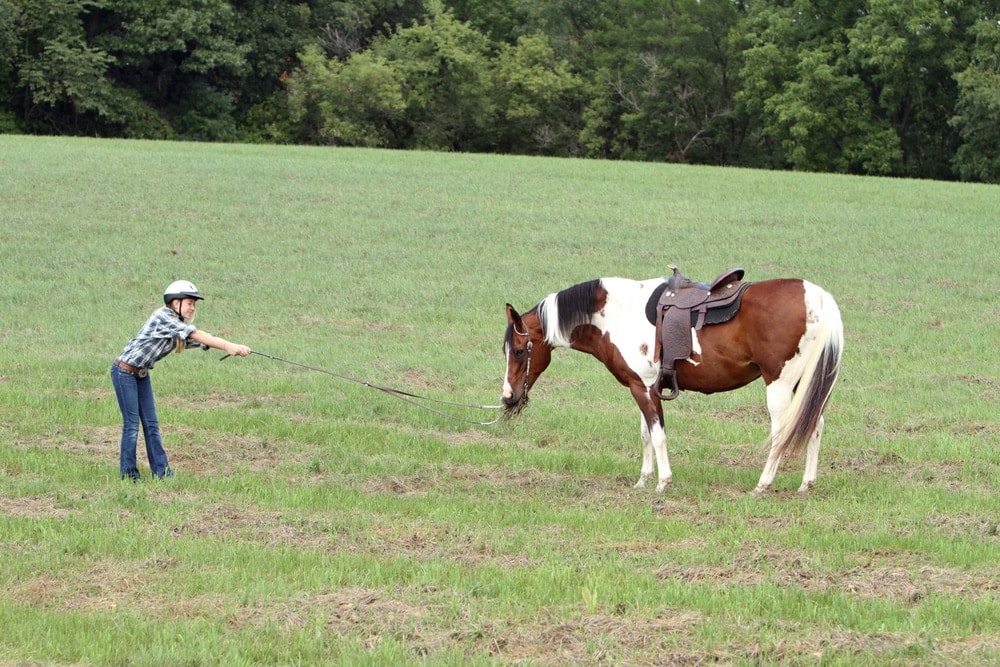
<point x="238" y="350"/>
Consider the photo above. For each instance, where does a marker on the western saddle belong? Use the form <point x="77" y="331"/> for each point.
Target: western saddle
<point x="685" y="305"/>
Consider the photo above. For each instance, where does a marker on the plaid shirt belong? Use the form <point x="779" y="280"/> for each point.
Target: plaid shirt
<point x="157" y="338"/>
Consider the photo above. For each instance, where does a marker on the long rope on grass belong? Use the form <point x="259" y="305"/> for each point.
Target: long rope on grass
<point x="406" y="396"/>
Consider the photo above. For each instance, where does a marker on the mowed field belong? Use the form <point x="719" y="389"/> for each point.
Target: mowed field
<point x="314" y="520"/>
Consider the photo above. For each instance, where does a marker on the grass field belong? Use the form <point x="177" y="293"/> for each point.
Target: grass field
<point x="317" y="521"/>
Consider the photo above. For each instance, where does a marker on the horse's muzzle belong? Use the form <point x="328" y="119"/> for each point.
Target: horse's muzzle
<point x="512" y="406"/>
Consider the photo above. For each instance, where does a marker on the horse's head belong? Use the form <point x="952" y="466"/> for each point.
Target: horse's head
<point x="527" y="356"/>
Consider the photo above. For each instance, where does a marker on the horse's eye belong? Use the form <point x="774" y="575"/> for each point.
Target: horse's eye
<point x="519" y="352"/>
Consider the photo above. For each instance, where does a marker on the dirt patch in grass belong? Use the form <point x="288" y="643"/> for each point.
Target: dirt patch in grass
<point x="373" y="536"/>
<point x="267" y="528"/>
<point x="988" y="386"/>
<point x="32" y="507"/>
<point x="423" y="618"/>
<point x="954" y="475"/>
<point x="986" y="430"/>
<point x="900" y="577"/>
<point x="191" y="451"/>
<point x="430" y="621"/>
<point x="206" y="453"/>
<point x="110" y="585"/>
<point x="591" y="491"/>
<point x="612" y="638"/>
<point x="217" y="400"/>
<point x="473" y="436"/>
<point x="753" y="414"/>
<point x="984" y="526"/>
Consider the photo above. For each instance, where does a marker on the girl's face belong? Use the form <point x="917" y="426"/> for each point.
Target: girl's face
<point x="187" y="309"/>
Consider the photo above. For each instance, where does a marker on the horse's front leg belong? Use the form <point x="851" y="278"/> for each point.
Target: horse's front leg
<point x="647" y="453"/>
<point x="654" y="440"/>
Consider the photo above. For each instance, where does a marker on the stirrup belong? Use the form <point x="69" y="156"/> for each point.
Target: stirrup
<point x="674" y="389"/>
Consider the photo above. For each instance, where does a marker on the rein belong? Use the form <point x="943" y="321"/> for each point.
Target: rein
<point x="397" y="393"/>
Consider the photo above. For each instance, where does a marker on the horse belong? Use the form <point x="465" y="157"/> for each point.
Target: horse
<point x="787" y="331"/>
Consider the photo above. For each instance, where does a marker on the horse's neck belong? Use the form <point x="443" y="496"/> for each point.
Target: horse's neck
<point x="552" y="326"/>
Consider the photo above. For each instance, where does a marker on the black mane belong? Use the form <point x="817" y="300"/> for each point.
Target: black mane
<point x="576" y="306"/>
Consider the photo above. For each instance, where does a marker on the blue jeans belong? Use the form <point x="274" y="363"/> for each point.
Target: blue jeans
<point x="135" y="400"/>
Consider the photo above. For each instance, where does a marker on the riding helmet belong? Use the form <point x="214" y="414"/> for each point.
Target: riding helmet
<point x="180" y="289"/>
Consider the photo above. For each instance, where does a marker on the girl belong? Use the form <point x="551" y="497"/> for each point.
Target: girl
<point x="167" y="329"/>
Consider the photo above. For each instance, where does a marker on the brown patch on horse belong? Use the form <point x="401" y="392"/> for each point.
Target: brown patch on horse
<point x="601" y="301"/>
<point x="592" y="340"/>
<point x="585" y="338"/>
<point x="781" y="343"/>
<point x="740" y="354"/>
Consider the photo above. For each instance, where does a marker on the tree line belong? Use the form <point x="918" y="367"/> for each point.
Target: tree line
<point x="878" y="87"/>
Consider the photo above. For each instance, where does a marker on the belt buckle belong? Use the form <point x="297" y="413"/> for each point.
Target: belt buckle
<point x="143" y="372"/>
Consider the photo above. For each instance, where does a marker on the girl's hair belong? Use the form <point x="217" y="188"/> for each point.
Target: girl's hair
<point x="180" y="343"/>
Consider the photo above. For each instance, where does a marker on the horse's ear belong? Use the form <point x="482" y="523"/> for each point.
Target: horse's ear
<point x="512" y="315"/>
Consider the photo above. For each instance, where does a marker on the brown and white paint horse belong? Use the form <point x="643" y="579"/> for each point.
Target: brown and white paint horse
<point x="788" y="331"/>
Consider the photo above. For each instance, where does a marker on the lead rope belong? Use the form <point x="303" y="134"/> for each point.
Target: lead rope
<point x="397" y="393"/>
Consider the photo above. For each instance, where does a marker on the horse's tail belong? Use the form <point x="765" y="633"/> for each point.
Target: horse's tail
<point x="820" y="370"/>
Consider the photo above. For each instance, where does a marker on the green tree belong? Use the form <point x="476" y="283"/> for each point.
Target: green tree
<point x="354" y="102"/>
<point x="136" y="68"/>
<point x="10" y="37"/>
<point x="503" y="21"/>
<point x="182" y="59"/>
<point x="538" y="99"/>
<point x="665" y="81"/>
<point x="345" y="28"/>
<point x="801" y="89"/>
<point x="59" y="82"/>
<point x="978" y="105"/>
<point x="446" y="75"/>
<point x="825" y="122"/>
<point x="440" y="84"/>
<point x="903" y="51"/>
<point x="273" y="32"/>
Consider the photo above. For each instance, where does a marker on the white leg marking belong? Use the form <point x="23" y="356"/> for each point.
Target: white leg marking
<point x="812" y="458"/>
<point x="779" y="397"/>
<point x="659" y="439"/>
<point x="647" y="454"/>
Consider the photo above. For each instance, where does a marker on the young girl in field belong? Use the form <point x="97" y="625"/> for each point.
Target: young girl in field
<point x="167" y="329"/>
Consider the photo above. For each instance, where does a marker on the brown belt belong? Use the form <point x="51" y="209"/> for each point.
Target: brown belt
<point x="128" y="368"/>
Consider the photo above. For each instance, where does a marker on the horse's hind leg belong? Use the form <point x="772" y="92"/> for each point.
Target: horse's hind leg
<point x="779" y="398"/>
<point x="812" y="458"/>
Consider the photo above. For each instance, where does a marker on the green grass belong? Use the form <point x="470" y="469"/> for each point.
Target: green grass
<point x="317" y="521"/>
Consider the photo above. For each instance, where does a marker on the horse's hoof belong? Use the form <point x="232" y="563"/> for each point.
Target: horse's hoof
<point x="759" y="491"/>
<point x="641" y="484"/>
<point x="806" y="486"/>
<point x="662" y="486"/>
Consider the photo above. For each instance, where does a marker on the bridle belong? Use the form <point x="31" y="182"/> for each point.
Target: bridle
<point x="527" y="371"/>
